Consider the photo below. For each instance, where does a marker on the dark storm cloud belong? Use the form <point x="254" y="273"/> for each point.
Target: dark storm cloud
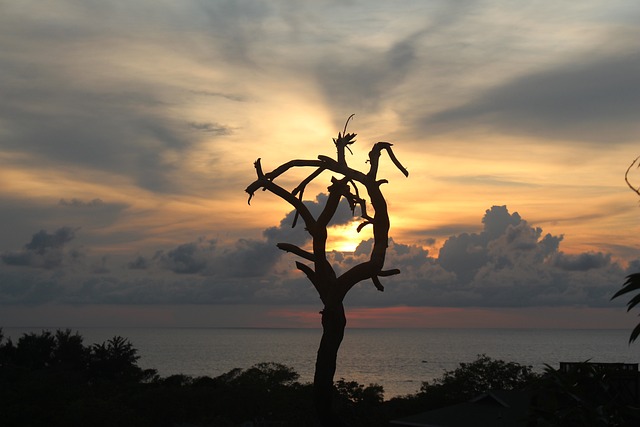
<point x="584" y="100"/>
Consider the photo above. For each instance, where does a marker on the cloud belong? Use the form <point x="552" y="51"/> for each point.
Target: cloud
<point x="466" y="253"/>
<point x="581" y="262"/>
<point x="211" y="127"/>
<point x="174" y="100"/>
<point x="45" y="250"/>
<point x="188" y="258"/>
<point x="246" y="257"/>
<point x="510" y="263"/>
<point x="85" y="98"/>
<point x="229" y="96"/>
<point x="77" y="203"/>
<point x="584" y="100"/>
<point x="139" y="263"/>
<point x="359" y="79"/>
<point x="43" y="241"/>
<point x="285" y="233"/>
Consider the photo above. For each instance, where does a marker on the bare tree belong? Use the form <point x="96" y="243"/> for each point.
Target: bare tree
<point x="333" y="288"/>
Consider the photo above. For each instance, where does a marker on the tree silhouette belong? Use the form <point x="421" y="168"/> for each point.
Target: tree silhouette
<point x="332" y="288"/>
<point x="633" y="280"/>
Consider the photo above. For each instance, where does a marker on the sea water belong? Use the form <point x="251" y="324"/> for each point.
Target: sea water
<point x="398" y="359"/>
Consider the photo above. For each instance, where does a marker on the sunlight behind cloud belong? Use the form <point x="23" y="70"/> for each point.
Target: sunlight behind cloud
<point x="345" y="238"/>
<point x="138" y="125"/>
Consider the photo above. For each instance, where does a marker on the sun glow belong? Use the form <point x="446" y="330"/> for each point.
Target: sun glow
<point x="345" y="238"/>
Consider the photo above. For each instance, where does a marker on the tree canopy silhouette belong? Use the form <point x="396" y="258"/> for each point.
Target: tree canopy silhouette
<point x="333" y="288"/>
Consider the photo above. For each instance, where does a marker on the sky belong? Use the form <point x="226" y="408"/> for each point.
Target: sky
<point x="129" y="129"/>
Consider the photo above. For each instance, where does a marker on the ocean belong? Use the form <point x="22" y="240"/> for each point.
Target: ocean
<point x="398" y="359"/>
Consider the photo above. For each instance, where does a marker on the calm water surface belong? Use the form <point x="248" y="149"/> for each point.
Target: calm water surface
<point x="398" y="359"/>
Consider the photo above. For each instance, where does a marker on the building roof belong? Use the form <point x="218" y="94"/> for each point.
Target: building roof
<point x="496" y="408"/>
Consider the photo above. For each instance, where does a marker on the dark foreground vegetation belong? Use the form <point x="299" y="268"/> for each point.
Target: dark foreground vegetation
<point x="54" y="379"/>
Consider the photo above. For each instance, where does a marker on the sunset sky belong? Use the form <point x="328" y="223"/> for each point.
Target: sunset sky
<point x="128" y="132"/>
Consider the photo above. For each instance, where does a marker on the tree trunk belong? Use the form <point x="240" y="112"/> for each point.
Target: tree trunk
<point x="334" y="322"/>
<point x="332" y="289"/>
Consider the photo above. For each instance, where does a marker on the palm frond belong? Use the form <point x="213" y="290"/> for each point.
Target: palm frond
<point x="634" y="333"/>
<point x="633" y="302"/>
<point x="631" y="284"/>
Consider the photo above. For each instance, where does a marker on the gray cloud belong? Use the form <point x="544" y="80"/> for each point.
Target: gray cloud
<point x="188" y="258"/>
<point x="20" y="216"/>
<point x="229" y="96"/>
<point x="359" y="79"/>
<point x="584" y="101"/>
<point x="581" y="262"/>
<point x="77" y="203"/>
<point x="246" y="258"/>
<point x="139" y="263"/>
<point x="86" y="129"/>
<point x="74" y="101"/>
<point x="466" y="253"/>
<point x="211" y="127"/>
<point x="43" y="241"/>
<point x="285" y="233"/>
<point x="45" y="250"/>
<point x="77" y="91"/>
<point x="509" y="263"/>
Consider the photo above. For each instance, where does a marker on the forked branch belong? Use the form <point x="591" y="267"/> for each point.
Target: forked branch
<point x="626" y="176"/>
<point x="339" y="188"/>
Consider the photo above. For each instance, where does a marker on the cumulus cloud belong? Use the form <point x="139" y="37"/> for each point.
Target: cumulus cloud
<point x="285" y="233"/>
<point x="509" y="263"/>
<point x="246" y="257"/>
<point x="581" y="262"/>
<point x="139" y="263"/>
<point x="187" y="258"/>
<point x="45" y="250"/>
